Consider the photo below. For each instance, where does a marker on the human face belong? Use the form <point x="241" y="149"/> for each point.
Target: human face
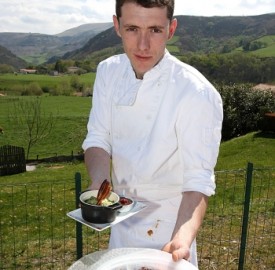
<point x="144" y="33"/>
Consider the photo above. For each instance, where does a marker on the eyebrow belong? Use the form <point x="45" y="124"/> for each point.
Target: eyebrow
<point x="150" y="27"/>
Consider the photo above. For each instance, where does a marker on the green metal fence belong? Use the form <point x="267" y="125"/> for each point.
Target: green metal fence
<point x="238" y="232"/>
<point x="239" y="228"/>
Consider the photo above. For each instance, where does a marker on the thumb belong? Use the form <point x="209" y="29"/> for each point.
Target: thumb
<point x="181" y="253"/>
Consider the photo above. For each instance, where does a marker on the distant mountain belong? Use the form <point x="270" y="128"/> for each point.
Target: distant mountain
<point x="105" y="39"/>
<point x="8" y="58"/>
<point x="89" y="29"/>
<point x="209" y="34"/>
<point x="196" y="34"/>
<point x="38" y="48"/>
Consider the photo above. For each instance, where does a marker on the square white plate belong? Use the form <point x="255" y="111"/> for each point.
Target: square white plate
<point x="76" y="215"/>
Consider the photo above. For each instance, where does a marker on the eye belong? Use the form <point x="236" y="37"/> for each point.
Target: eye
<point x="131" y="29"/>
<point x="156" y="30"/>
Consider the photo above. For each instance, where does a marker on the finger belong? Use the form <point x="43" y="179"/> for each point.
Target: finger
<point x="180" y="254"/>
<point x="175" y="256"/>
<point x="166" y="248"/>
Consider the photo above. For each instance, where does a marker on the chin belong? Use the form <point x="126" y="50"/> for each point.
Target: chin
<point x="142" y="71"/>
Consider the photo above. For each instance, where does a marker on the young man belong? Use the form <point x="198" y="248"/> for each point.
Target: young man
<point x="159" y="122"/>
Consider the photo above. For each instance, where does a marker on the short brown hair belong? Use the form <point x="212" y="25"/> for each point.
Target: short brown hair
<point x="148" y="4"/>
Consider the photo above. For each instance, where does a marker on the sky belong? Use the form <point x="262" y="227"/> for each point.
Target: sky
<point x="53" y="17"/>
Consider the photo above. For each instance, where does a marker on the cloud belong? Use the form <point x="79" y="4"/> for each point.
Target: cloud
<point x="52" y="17"/>
<point x="224" y="8"/>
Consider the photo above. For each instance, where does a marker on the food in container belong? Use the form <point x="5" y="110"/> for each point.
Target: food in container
<point x="127" y="204"/>
<point x="105" y="213"/>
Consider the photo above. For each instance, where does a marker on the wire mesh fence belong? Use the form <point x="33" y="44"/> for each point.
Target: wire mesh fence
<point x="239" y="228"/>
<point x="35" y="232"/>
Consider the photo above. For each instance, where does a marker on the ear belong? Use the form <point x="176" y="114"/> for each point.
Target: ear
<point x="116" y="25"/>
<point x="172" y="28"/>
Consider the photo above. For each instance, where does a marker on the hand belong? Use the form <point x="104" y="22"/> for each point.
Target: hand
<point x="177" y="249"/>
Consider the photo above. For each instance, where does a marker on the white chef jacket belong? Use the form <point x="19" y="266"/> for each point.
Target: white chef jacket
<point x="163" y="134"/>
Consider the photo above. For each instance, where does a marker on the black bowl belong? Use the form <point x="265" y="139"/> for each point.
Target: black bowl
<point x="98" y="213"/>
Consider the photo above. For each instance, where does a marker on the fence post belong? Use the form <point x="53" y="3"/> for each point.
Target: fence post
<point x="249" y="176"/>
<point x="79" y="242"/>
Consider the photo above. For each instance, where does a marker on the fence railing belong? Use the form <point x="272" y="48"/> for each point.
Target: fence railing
<point x="238" y="231"/>
<point x="12" y="160"/>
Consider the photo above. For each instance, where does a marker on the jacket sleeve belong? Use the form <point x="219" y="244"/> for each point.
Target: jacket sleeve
<point x="99" y="120"/>
<point x="199" y="132"/>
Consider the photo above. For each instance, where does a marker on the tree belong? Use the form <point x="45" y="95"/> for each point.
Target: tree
<point x="33" y="123"/>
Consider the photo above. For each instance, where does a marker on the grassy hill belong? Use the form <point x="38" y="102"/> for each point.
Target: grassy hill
<point x="268" y="47"/>
<point x="8" y="58"/>
<point x="255" y="147"/>
<point x="195" y="34"/>
<point x="38" y="48"/>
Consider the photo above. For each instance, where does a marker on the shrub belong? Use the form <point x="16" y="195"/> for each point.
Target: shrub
<point x="63" y="88"/>
<point x="4" y="68"/>
<point x="76" y="84"/>
<point x="244" y="109"/>
<point x="17" y="89"/>
<point x="33" y="89"/>
<point x="45" y="89"/>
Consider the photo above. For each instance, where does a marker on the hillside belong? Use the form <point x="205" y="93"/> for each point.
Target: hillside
<point x="106" y="39"/>
<point x="8" y="58"/>
<point x="38" y="48"/>
<point x="89" y="29"/>
<point x="211" y="34"/>
<point x="197" y="34"/>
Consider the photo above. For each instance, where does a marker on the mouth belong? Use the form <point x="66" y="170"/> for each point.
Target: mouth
<point x="142" y="57"/>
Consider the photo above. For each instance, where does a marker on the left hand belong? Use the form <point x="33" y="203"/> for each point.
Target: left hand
<point x="177" y="249"/>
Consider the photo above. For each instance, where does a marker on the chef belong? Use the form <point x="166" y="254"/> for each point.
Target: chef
<point x="154" y="132"/>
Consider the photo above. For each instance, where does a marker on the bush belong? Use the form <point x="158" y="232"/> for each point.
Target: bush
<point x="17" y="89"/>
<point x="33" y="89"/>
<point x="45" y="89"/>
<point x="62" y="89"/>
<point x="244" y="109"/>
<point x="76" y="84"/>
<point x="4" y="68"/>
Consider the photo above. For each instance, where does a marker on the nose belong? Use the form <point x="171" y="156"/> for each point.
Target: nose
<point x="143" y="41"/>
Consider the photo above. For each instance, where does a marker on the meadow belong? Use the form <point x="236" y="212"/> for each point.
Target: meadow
<point x="9" y="81"/>
<point x="268" y="50"/>
<point x="70" y="116"/>
<point x="34" y="230"/>
<point x="36" y="234"/>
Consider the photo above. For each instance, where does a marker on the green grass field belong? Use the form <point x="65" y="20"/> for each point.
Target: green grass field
<point x="70" y="119"/>
<point x="35" y="231"/>
<point x="268" y="51"/>
<point x="255" y="147"/>
<point x="7" y="81"/>
<point x="172" y="47"/>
